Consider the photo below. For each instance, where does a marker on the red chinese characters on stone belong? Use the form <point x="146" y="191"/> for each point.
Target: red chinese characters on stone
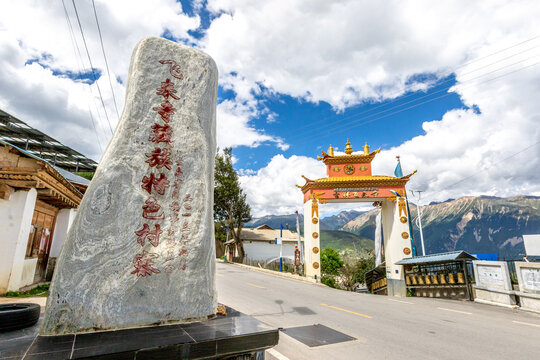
<point x="175" y="206"/>
<point x="159" y="184"/>
<point x="170" y="255"/>
<point x="174" y="69"/>
<point x="143" y="264"/>
<point x="182" y="252"/>
<point x="159" y="158"/>
<point x="185" y="226"/>
<point x="188" y="198"/>
<point x="161" y="133"/>
<point x="169" y="269"/>
<point x="152" y="236"/>
<point x="182" y="264"/>
<point x="150" y="210"/>
<point x="167" y="89"/>
<point x="165" y="110"/>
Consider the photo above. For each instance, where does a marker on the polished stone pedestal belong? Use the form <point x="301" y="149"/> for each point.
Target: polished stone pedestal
<point x="221" y="337"/>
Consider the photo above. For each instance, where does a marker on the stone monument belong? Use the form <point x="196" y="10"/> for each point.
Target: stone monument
<point x="141" y="248"/>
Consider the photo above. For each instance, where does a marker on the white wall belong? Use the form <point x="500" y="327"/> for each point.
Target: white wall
<point x="15" y="219"/>
<point x="263" y="251"/>
<point x="64" y="219"/>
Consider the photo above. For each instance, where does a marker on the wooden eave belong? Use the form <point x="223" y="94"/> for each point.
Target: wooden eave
<point x="356" y="181"/>
<point x="52" y="187"/>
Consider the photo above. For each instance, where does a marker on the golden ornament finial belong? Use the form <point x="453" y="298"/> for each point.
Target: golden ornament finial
<point x="330" y="151"/>
<point x="348" y="148"/>
<point x="366" y="149"/>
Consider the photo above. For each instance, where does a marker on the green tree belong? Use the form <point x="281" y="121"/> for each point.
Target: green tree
<point x="330" y="262"/>
<point x="366" y="263"/>
<point x="348" y="273"/>
<point x="230" y="206"/>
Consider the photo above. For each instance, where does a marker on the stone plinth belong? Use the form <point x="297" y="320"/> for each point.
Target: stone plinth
<point x="493" y="284"/>
<point x="141" y="248"/>
<point x="528" y="275"/>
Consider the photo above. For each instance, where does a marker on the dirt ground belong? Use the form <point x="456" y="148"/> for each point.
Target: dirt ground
<point x="41" y="300"/>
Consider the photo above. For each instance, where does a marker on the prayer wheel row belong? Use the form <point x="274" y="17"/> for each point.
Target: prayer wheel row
<point x="435" y="279"/>
<point x="378" y="284"/>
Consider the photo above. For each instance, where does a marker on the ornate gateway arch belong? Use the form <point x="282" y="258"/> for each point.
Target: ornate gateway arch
<point x="350" y="180"/>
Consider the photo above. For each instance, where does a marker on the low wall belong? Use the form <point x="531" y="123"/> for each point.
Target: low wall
<point x="28" y="273"/>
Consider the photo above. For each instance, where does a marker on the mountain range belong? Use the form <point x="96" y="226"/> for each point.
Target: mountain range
<point x="483" y="224"/>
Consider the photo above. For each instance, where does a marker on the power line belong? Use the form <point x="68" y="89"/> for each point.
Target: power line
<point x="80" y="65"/>
<point x="449" y="72"/>
<point x="92" y="67"/>
<point x="80" y="72"/>
<point x="105" y="57"/>
<point x="421" y="97"/>
<point x="487" y="168"/>
<point x="436" y="98"/>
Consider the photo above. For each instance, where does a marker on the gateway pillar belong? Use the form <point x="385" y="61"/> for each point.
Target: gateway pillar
<point x="312" y="248"/>
<point x="397" y="243"/>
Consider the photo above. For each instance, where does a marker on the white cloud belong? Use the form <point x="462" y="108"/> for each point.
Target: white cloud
<point x="346" y="52"/>
<point x="40" y="95"/>
<point x="234" y="129"/>
<point x="271" y="190"/>
<point x="349" y="52"/>
<point x="342" y="52"/>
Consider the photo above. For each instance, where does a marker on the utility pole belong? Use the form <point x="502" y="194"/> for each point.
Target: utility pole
<point x="281" y="248"/>
<point x="419" y="218"/>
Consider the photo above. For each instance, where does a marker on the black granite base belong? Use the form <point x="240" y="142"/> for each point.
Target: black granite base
<point x="222" y="337"/>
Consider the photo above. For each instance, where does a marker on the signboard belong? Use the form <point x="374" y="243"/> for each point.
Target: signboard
<point x="531" y="278"/>
<point x="532" y="244"/>
<point x="490" y="275"/>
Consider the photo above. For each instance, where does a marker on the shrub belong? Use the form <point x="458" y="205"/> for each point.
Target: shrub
<point x="329" y="281"/>
<point x="330" y="262"/>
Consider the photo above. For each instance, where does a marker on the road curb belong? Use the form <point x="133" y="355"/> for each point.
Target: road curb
<point x="275" y="273"/>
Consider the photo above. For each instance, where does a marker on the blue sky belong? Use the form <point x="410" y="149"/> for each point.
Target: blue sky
<point x="309" y="128"/>
<point x="451" y="87"/>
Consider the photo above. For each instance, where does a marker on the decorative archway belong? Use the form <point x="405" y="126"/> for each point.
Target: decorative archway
<point x="350" y="180"/>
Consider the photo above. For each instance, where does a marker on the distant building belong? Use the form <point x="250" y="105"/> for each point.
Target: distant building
<point x="259" y="244"/>
<point x="38" y="201"/>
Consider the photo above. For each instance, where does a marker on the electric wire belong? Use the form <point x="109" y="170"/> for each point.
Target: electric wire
<point x="80" y="72"/>
<point x="410" y="87"/>
<point x="418" y="98"/>
<point x="485" y="169"/>
<point x="92" y="67"/>
<point x="347" y="126"/>
<point x="105" y="57"/>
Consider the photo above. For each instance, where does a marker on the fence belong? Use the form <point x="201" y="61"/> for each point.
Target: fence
<point x="288" y="265"/>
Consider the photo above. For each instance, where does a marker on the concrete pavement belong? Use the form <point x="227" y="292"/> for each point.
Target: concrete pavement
<point x="385" y="328"/>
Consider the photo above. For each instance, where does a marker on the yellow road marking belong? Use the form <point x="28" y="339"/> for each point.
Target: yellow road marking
<point x="257" y="286"/>
<point x="349" y="311"/>
<point x="220" y="275"/>
<point x="524" y="323"/>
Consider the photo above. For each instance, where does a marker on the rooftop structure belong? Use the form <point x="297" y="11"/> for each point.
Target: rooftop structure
<point x="350" y="171"/>
<point x="33" y="141"/>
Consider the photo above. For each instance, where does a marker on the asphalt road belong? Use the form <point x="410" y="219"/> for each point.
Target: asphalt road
<point x="385" y="328"/>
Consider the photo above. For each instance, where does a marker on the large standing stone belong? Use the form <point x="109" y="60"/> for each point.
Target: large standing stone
<point x="141" y="249"/>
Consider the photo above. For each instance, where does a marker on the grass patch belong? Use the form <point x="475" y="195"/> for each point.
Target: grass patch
<point x="41" y="290"/>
